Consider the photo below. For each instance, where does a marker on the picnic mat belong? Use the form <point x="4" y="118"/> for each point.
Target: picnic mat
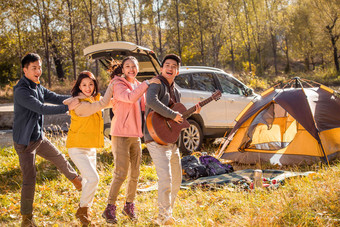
<point x="271" y="175"/>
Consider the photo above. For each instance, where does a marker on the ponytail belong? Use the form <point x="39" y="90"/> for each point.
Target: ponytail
<point x="116" y="68"/>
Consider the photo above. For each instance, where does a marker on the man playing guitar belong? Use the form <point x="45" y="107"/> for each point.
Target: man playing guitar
<point x="166" y="158"/>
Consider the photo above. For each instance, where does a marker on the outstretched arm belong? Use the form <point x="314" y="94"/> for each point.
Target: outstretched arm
<point x="52" y="97"/>
<point x="24" y="98"/>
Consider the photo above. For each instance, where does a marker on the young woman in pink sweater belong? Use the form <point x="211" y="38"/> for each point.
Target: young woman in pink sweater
<point x="126" y="130"/>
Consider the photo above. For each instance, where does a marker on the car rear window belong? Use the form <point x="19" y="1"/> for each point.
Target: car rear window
<point x="204" y="82"/>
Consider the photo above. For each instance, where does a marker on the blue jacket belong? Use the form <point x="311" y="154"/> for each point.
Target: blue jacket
<point x="29" y="108"/>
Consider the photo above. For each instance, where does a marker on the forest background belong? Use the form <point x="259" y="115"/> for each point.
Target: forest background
<point x="262" y="42"/>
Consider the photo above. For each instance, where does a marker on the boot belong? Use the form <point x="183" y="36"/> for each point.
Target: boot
<point x="129" y="210"/>
<point x="77" y="182"/>
<point x="110" y="214"/>
<point x="27" y="221"/>
<point x="83" y="215"/>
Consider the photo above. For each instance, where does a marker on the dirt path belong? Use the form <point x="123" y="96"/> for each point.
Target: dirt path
<point x="51" y="123"/>
<point x="7" y="107"/>
<point x="6" y="138"/>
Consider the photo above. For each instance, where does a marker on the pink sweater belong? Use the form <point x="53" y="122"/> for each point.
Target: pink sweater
<point x="127" y="120"/>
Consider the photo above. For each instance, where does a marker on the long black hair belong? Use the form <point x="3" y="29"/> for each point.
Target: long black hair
<point x="84" y="74"/>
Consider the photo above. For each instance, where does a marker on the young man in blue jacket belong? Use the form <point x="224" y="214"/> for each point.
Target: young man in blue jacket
<point x="29" y="110"/>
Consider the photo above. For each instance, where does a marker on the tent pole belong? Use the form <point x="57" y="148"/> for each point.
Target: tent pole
<point x="324" y="153"/>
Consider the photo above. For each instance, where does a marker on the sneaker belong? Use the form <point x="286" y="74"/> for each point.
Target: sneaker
<point x="165" y="221"/>
<point x="109" y="214"/>
<point x="129" y="210"/>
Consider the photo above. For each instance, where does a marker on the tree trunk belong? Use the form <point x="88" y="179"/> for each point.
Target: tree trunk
<point x="201" y="32"/>
<point x="306" y="63"/>
<point x="140" y="23"/>
<point x="231" y="49"/>
<point x="232" y="54"/>
<point x="44" y="23"/>
<point x="20" y="44"/>
<point x="272" y="35"/>
<point x="135" y="21"/>
<point x="90" y="14"/>
<point x="216" y="39"/>
<point x="107" y="21"/>
<point x="273" y="38"/>
<point x="257" y="40"/>
<point x="335" y="55"/>
<point x="120" y="21"/>
<point x="287" y="69"/>
<point x="334" y="39"/>
<point x="159" y="30"/>
<point x="133" y="13"/>
<point x="58" y="62"/>
<point x="247" y="43"/>
<point x="114" y="23"/>
<point x="73" y="54"/>
<point x="178" y="29"/>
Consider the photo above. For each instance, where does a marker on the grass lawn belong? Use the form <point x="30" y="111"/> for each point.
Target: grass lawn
<point x="302" y="201"/>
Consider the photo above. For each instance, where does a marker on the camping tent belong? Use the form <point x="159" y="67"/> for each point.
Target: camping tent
<point x="291" y="125"/>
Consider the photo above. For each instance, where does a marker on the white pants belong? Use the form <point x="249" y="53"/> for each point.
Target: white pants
<point x="85" y="160"/>
<point x="169" y="172"/>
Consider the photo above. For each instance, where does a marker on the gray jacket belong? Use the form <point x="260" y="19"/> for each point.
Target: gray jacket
<point x="29" y="108"/>
<point x="157" y="99"/>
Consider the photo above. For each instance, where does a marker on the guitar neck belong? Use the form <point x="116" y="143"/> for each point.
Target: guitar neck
<point x="187" y="113"/>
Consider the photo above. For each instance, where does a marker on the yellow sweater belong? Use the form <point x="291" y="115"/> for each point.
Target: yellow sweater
<point x="86" y="132"/>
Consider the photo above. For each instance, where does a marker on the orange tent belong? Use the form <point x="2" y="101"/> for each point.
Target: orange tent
<point x="286" y="126"/>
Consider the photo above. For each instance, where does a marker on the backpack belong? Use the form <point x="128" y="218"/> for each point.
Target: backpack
<point x="192" y="168"/>
<point x="214" y="166"/>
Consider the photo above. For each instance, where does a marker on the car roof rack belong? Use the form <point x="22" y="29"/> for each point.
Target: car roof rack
<point x="202" y="67"/>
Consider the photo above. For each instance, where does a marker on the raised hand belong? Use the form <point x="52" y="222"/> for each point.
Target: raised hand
<point x="154" y="80"/>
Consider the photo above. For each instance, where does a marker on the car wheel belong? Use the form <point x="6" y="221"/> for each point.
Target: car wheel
<point x="191" y="138"/>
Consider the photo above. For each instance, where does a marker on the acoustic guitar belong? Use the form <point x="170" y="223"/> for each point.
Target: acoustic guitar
<point x="165" y="130"/>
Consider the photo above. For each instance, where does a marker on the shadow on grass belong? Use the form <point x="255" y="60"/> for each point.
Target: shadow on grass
<point x="106" y="157"/>
<point x="11" y="180"/>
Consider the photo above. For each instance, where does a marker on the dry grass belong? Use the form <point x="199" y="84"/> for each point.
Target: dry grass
<point x="305" y="201"/>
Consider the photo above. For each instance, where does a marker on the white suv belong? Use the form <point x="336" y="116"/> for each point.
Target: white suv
<point x="195" y="83"/>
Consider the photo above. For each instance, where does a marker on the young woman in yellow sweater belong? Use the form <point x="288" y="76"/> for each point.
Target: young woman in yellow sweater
<point x="85" y="135"/>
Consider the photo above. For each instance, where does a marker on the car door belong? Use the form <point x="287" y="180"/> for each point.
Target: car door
<point x="203" y="86"/>
<point x="233" y="97"/>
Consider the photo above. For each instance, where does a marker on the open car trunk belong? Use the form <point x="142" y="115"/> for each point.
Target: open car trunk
<point x="149" y="64"/>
